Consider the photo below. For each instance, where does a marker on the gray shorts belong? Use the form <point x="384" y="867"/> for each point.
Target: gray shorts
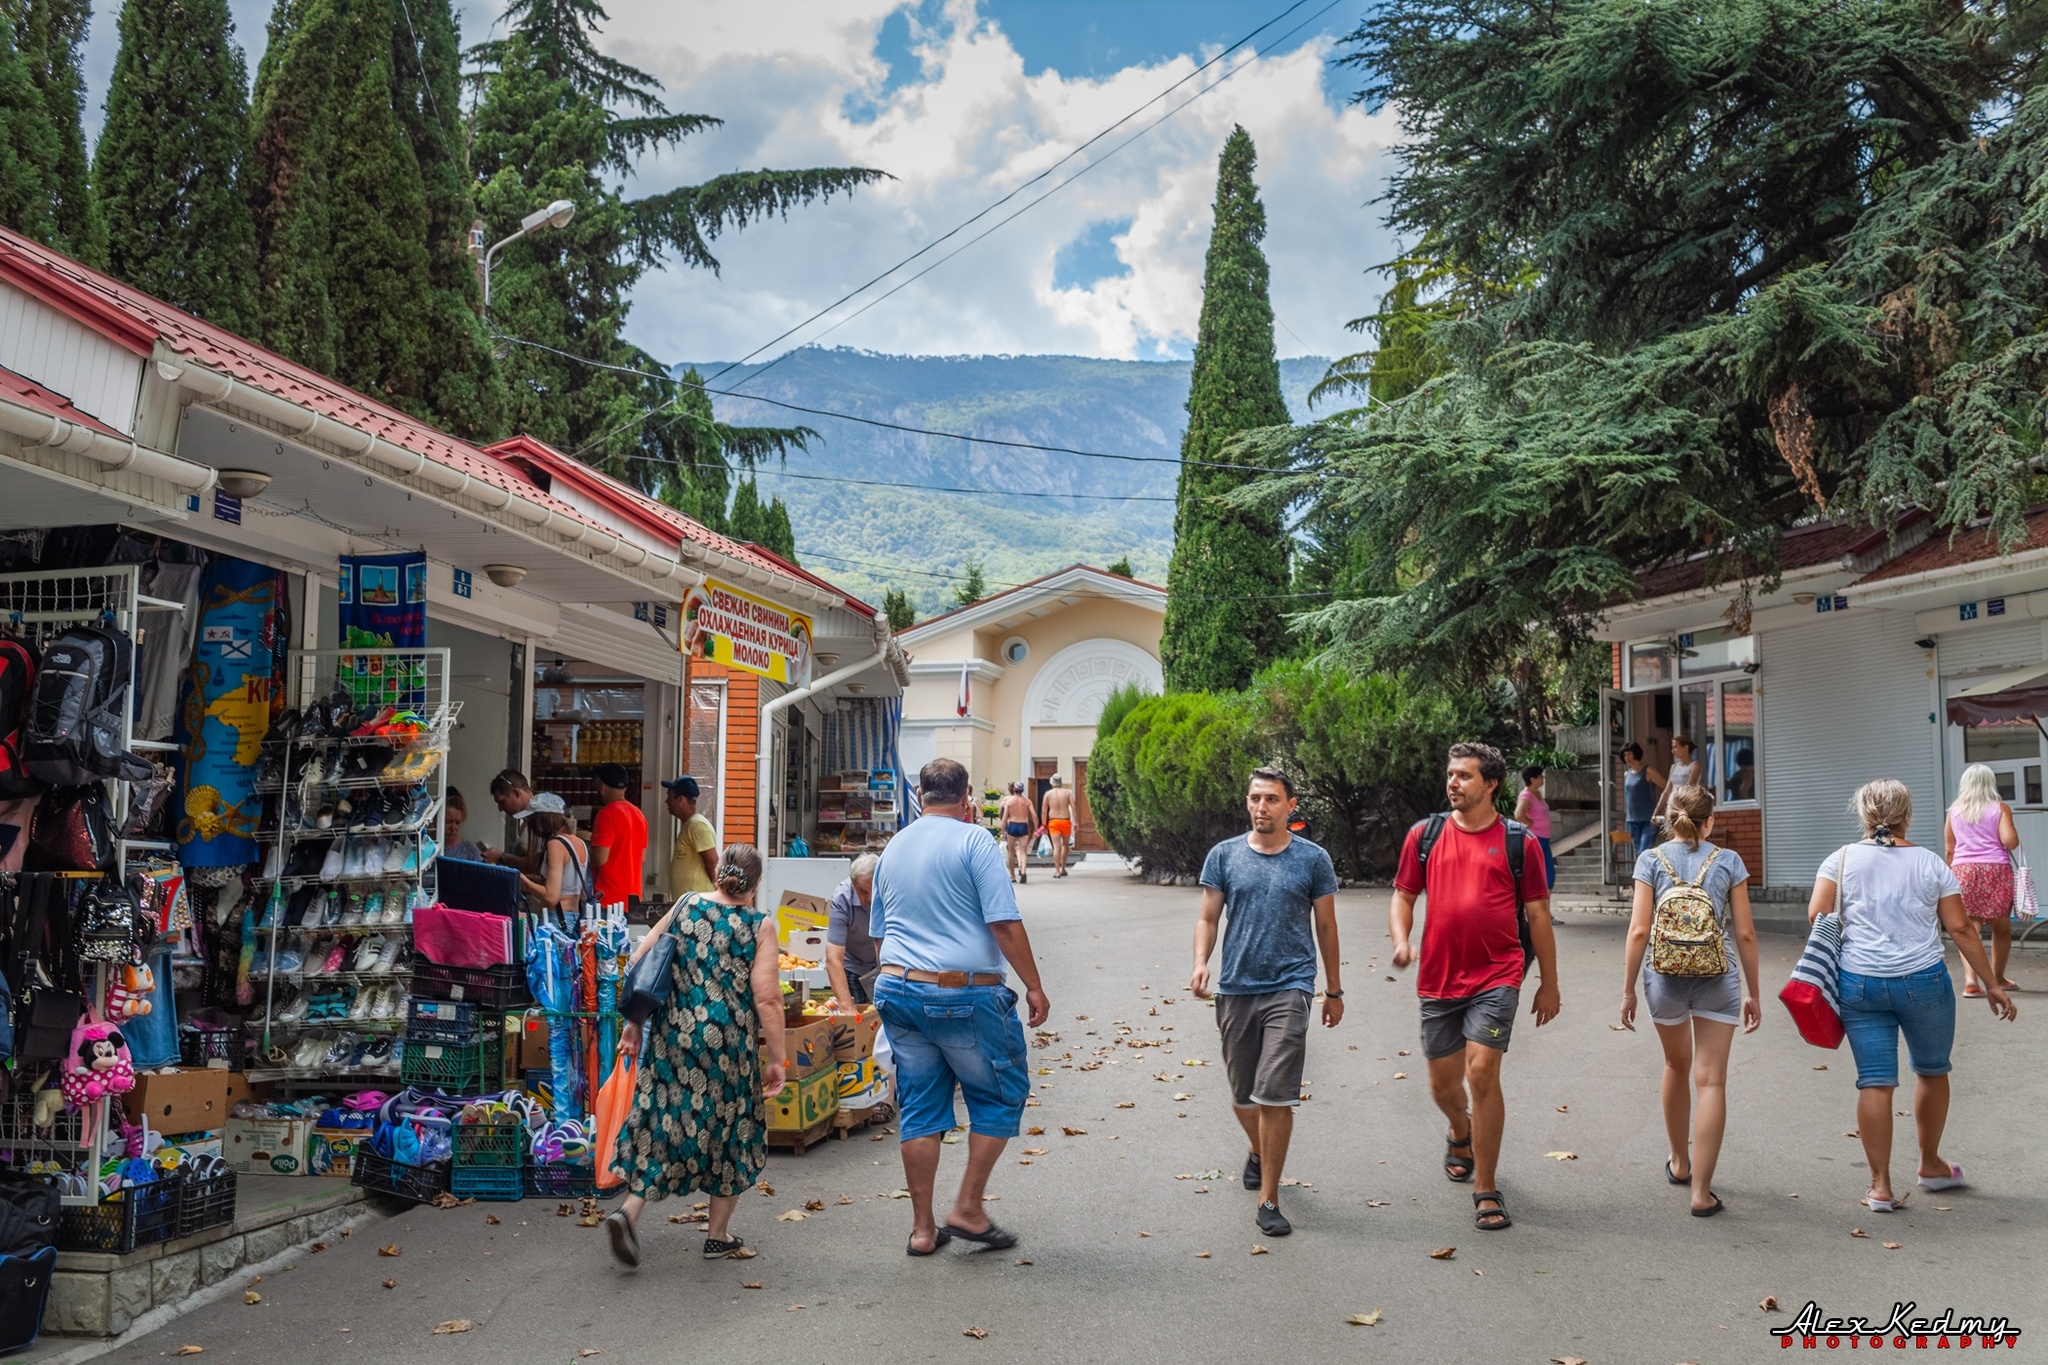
<point x="1487" y="1018"/>
<point x="1675" y="999"/>
<point x="1265" y="1042"/>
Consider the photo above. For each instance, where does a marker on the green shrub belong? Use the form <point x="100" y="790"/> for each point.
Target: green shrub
<point x="1167" y="784"/>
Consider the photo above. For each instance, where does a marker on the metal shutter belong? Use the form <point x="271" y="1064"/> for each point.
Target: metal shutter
<point x="1985" y="649"/>
<point x="1846" y="699"/>
<point x="614" y="640"/>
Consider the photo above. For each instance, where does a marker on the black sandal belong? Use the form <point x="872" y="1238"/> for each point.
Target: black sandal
<point x="991" y="1238"/>
<point x="1452" y="1159"/>
<point x="1490" y="1220"/>
<point x="943" y="1236"/>
<point x="1673" y="1177"/>
<point x="1711" y="1209"/>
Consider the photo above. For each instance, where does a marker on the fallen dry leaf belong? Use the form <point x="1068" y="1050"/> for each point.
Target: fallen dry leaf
<point x="1375" y="1203"/>
<point x="1036" y="1151"/>
<point x="978" y="1333"/>
<point x="1562" y="1156"/>
<point x="1400" y="1075"/>
<point x="1371" y="1319"/>
<point x="794" y="1308"/>
<point x="1443" y="1253"/>
<point x="1201" y="1255"/>
<point x="348" y="1232"/>
<point x="565" y="1210"/>
<point x="317" y="1246"/>
<point x="391" y="1284"/>
<point x="250" y="1296"/>
<point x="791" y="1216"/>
<point x="1075" y="1132"/>
<point x="1769" y="1303"/>
<point x="1026" y="1261"/>
<point x="744" y="1254"/>
<point x="899" y="1194"/>
<point x="1853" y="1133"/>
<point x="1034" y="1131"/>
<point x="1893" y="1246"/>
<point x="492" y="1219"/>
<point x="1477" y="1271"/>
<point x="1943" y="1208"/>
<point x="1258" y="1250"/>
<point x="1822" y="1067"/>
<point x="1144" y="1234"/>
<point x="445" y="1200"/>
<point x="1563" y="1108"/>
<point x="1127" y="1104"/>
<point x="1858" y="1232"/>
<point x="844" y="1199"/>
<point x="453" y="1325"/>
<point x="590" y="1220"/>
<point x="751" y="1284"/>
<point x="767" y="1190"/>
<point x="190" y="1351"/>
<point x="1023" y="1161"/>
<point x="1567" y="1360"/>
<point x="1183" y="1096"/>
<point x="815" y="1204"/>
<point x="587" y="1352"/>
<point x="1611" y="1028"/>
<point x="393" y="1250"/>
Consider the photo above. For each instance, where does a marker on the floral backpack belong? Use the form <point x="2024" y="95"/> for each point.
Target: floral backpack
<point x="1685" y="932"/>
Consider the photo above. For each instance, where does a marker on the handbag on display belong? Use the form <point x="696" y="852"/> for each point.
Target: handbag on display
<point x="2024" y="906"/>
<point x="71" y="832"/>
<point x="146" y="800"/>
<point x="107" y="925"/>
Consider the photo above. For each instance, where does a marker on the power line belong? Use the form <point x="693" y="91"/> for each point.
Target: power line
<point x="977" y="492"/>
<point x="961" y="578"/>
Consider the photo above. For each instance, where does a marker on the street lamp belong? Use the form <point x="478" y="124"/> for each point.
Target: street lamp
<point x="555" y="215"/>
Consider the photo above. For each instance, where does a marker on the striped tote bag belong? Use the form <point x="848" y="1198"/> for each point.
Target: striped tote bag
<point x="1812" y="995"/>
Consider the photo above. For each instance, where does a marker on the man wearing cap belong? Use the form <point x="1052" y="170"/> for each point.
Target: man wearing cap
<point x="618" y="838"/>
<point x="511" y="793"/>
<point x="695" y="860"/>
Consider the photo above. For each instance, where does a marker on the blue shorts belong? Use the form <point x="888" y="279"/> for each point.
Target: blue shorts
<point x="943" y="1036"/>
<point x="1549" y="862"/>
<point x="1639" y="834"/>
<point x="1877" y="1009"/>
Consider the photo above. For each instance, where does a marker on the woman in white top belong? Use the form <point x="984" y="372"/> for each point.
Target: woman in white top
<point x="565" y="859"/>
<point x="1686" y="771"/>
<point x="1894" y="899"/>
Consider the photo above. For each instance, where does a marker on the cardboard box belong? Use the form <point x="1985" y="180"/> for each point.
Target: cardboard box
<point x="800" y="912"/>
<point x="808" y="1048"/>
<point x="190" y="1147"/>
<point x="332" y="1151"/>
<point x="268" y="1146"/>
<point x="801" y="1105"/>
<point x="183" y="1101"/>
<point x="855" y="1036"/>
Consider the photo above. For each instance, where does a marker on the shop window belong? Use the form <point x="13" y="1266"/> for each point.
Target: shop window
<point x="1702" y="652"/>
<point x="2013" y="753"/>
<point x="1649" y="664"/>
<point x="706" y="732"/>
<point x="1736" y="766"/>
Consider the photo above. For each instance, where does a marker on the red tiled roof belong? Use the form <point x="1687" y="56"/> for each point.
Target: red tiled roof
<point x="139" y="322"/>
<point x="20" y="389"/>
<point x="1802" y="547"/>
<point x="1972" y="546"/>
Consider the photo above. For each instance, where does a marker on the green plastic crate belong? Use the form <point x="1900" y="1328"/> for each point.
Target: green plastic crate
<point x="490" y="1144"/>
<point x="456" y="1068"/>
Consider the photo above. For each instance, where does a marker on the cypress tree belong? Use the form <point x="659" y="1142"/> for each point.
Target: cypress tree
<point x="896" y="606"/>
<point x="28" y="147"/>
<point x="1229" y="564"/>
<point x="291" y="148"/>
<point x="779" y="535"/>
<point x="168" y="170"/>
<point x="973" y="587"/>
<point x="49" y="34"/>
<point x="747" y="522"/>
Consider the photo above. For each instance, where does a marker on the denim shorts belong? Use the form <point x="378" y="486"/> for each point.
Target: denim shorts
<point x="943" y="1036"/>
<point x="1877" y="1009"/>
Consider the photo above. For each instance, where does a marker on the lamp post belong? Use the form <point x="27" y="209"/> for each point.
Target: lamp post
<point x="555" y="215"/>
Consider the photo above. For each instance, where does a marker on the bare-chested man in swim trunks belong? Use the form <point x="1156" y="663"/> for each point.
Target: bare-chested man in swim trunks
<point x="1019" y="820"/>
<point x="1059" y="822"/>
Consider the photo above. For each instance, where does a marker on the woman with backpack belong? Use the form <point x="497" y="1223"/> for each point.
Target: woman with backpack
<point x="1692" y="921"/>
<point x="1894" y="899"/>
<point x="1977" y="840"/>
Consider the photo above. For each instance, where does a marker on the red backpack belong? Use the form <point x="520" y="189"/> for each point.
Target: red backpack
<point x="17" y="685"/>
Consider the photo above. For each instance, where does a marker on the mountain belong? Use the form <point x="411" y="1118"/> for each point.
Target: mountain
<point x="869" y="537"/>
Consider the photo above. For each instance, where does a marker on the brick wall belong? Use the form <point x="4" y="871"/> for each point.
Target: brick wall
<point x="1743" y="831"/>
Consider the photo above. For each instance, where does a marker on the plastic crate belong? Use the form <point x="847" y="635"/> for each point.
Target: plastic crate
<point x="455" y="1069"/>
<point x="450" y="1021"/>
<point x="204" y="1204"/>
<point x="139" y="1216"/>
<point x="487" y="1182"/>
<point x="385" y="1176"/>
<point x="199" y="1046"/>
<point x="490" y="1144"/>
<point x="564" y="1180"/>
<point x="491" y="988"/>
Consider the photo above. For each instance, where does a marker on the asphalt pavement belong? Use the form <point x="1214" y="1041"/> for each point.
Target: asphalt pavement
<point x="1138" y="1241"/>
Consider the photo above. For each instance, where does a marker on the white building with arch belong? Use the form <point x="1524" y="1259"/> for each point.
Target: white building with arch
<point x="1039" y="660"/>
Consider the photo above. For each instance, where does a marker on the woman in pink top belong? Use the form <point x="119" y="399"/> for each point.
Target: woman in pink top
<point x="1978" y="841"/>
<point x="1532" y="810"/>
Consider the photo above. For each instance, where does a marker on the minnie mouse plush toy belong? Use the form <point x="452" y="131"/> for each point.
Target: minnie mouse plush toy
<point x="103" y="1066"/>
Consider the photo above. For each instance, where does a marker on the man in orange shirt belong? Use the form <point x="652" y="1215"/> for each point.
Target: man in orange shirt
<point x="618" y="838"/>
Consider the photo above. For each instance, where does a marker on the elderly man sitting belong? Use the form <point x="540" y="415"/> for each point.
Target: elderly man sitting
<point x="850" y="951"/>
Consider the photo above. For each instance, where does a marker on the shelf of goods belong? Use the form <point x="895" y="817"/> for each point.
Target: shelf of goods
<point x="361" y="792"/>
<point x="36" y="608"/>
<point x="581" y="723"/>
<point x="857" y="810"/>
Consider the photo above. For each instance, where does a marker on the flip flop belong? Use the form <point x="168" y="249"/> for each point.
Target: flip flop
<point x="1673" y="1177"/>
<point x="1952" y="1181"/>
<point x="1891" y="1205"/>
<point x="1973" y="992"/>
<point x="944" y="1236"/>
<point x="1711" y="1209"/>
<point x="992" y="1238"/>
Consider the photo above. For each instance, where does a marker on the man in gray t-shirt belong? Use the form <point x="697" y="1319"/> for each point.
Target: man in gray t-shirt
<point x="1281" y="894"/>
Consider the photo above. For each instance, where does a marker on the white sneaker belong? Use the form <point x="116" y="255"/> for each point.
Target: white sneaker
<point x="295" y="1009"/>
<point x="383" y="1008"/>
<point x="387" y="961"/>
<point x="273" y="862"/>
<point x="394" y="908"/>
<point x="396" y="856"/>
<point x="335" y="864"/>
<point x="373" y="947"/>
<point x="360" y="1009"/>
<point x="353" y="915"/>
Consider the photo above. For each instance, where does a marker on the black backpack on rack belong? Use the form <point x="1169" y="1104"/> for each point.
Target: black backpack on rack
<point x="17" y="684"/>
<point x="73" y="735"/>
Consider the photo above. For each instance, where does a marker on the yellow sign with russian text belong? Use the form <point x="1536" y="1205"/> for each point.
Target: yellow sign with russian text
<point x="739" y="630"/>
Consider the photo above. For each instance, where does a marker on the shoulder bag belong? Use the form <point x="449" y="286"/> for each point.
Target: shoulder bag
<point x="2024" y="906"/>
<point x="651" y="976"/>
<point x="1813" y="995"/>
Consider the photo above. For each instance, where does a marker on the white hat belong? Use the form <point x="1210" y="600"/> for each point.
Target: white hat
<point x="543" y="803"/>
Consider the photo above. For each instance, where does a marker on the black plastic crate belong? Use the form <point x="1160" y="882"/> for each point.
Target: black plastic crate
<point x="491" y="1144"/>
<point x="450" y="1021"/>
<point x="384" y="1176"/>
<point x="139" y="1216"/>
<point x="456" y="1069"/>
<point x="487" y="1182"/>
<point x="204" y="1204"/>
<point x="199" y="1046"/>
<point x="491" y="988"/>
<point x="564" y="1180"/>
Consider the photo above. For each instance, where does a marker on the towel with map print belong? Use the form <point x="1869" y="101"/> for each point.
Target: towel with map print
<point x="230" y="693"/>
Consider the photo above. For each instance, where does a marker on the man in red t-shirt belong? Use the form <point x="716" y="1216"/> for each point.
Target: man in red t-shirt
<point x="1470" y="977"/>
<point x="618" y="838"/>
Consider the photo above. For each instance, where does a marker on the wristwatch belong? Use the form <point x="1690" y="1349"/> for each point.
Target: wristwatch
<point x="1333" y="995"/>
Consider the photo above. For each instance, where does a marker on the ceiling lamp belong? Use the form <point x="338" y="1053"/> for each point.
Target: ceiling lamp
<point x="242" y="483"/>
<point x="504" y="575"/>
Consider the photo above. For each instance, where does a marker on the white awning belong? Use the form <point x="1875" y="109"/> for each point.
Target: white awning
<point x="2006" y="681"/>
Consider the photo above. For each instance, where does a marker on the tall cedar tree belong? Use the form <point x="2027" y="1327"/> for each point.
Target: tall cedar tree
<point x="49" y="35"/>
<point x="557" y="119"/>
<point x="168" y="169"/>
<point x="896" y="607"/>
<point x="362" y="207"/>
<point x="1725" y="267"/>
<point x="28" y="147"/>
<point x="1229" y="570"/>
<point x="973" y="587"/>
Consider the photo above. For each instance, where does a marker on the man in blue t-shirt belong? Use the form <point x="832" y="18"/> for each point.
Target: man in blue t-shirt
<point x="946" y="917"/>
<point x="1282" y="896"/>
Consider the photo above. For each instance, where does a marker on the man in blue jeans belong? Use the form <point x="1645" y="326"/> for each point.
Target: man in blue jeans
<point x="946" y="918"/>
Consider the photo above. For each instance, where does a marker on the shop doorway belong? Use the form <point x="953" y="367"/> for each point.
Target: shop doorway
<point x="1085" y="837"/>
<point x="584" y="716"/>
<point x="1042" y="770"/>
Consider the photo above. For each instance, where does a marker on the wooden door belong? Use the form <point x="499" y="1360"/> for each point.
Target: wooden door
<point x="1042" y="770"/>
<point x="1085" y="838"/>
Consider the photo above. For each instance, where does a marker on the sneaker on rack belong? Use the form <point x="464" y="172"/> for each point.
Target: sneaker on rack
<point x="419" y="807"/>
<point x="294" y="1010"/>
<point x="337" y="959"/>
<point x="335" y="864"/>
<point x="310" y="1050"/>
<point x="394" y="906"/>
<point x="373" y="906"/>
<point x="372" y="949"/>
<point x="387" y="1003"/>
<point x="381" y="1055"/>
<point x="358" y="1054"/>
<point x="418" y="855"/>
<point x="339" y="1052"/>
<point x="396" y="855"/>
<point x="352" y="912"/>
<point x="273" y="862"/>
<point x="365" y="999"/>
<point x="387" y="960"/>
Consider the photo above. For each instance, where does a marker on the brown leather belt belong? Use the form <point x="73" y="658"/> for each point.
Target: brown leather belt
<point x="952" y="979"/>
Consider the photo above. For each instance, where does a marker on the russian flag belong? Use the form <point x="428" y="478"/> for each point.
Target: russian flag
<point x="966" y="694"/>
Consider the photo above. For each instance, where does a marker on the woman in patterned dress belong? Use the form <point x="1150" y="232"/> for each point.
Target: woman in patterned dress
<point x="698" y="1120"/>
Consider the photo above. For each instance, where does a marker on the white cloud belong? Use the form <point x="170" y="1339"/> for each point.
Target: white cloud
<point x="800" y="85"/>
